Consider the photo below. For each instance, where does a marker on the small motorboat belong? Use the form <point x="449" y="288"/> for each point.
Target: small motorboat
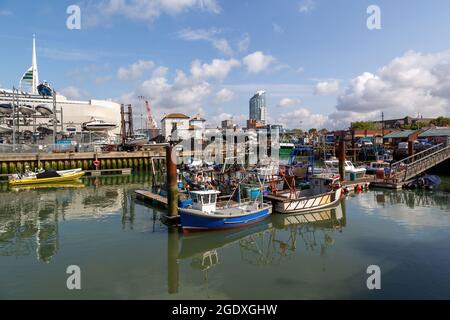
<point x="44" y="110"/>
<point x="204" y="215"/>
<point x="45" y="90"/>
<point x="98" y="125"/>
<point x="6" y="108"/>
<point x="5" y="129"/>
<point x="27" y="110"/>
<point x="45" y="176"/>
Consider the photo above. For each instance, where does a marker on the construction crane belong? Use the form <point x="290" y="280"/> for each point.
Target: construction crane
<point x="151" y="123"/>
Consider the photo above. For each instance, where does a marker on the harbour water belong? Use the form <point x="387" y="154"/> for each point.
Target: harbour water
<point x="124" y="251"/>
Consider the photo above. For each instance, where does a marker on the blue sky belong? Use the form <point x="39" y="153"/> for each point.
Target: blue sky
<point x="319" y="63"/>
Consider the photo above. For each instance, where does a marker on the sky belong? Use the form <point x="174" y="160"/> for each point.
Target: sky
<point x="318" y="61"/>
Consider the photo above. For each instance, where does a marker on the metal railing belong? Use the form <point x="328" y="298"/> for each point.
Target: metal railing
<point x="413" y="165"/>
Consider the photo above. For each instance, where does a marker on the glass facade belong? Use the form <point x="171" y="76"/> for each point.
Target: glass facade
<point x="258" y="107"/>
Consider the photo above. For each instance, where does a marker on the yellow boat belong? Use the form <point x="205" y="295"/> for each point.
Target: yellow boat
<point x="70" y="176"/>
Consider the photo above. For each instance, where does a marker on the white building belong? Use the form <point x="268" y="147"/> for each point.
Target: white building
<point x="175" y="121"/>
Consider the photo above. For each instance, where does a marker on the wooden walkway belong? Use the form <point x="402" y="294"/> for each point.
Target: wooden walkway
<point x="151" y="197"/>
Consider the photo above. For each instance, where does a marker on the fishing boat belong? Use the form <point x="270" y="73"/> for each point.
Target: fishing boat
<point x="5" y="129"/>
<point x="98" y="125"/>
<point x="44" y="110"/>
<point x="45" y="90"/>
<point x="322" y="193"/>
<point x="45" y="176"/>
<point x="27" y="110"/>
<point x="6" y="108"/>
<point x="205" y="215"/>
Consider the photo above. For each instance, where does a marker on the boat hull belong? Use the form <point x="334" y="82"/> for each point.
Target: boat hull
<point x="192" y="220"/>
<point x="306" y="204"/>
<point x="30" y="181"/>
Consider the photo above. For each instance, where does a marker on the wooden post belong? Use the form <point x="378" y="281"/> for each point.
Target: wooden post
<point x="172" y="260"/>
<point x="410" y="148"/>
<point x="172" y="187"/>
<point x="342" y="158"/>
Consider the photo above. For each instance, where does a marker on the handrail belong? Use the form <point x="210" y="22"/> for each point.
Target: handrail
<point x="432" y="150"/>
<point x="422" y="160"/>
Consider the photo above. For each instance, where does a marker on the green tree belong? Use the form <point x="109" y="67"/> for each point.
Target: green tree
<point x="441" y="122"/>
<point x="364" y="125"/>
<point x="312" y="131"/>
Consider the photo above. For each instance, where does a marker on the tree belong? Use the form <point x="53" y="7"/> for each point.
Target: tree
<point x="312" y="131"/>
<point x="364" y="125"/>
<point x="441" y="122"/>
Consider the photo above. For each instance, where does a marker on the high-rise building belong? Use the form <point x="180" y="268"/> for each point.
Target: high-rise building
<point x="258" y="107"/>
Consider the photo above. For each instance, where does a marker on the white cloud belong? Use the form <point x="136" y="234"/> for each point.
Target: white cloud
<point x="301" y="118"/>
<point x="244" y="43"/>
<point x="183" y="94"/>
<point x="224" y="95"/>
<point x="146" y="10"/>
<point x="411" y="84"/>
<point x="218" y="68"/>
<point x="277" y="28"/>
<point x="327" y="87"/>
<point x="306" y="6"/>
<point x="209" y="35"/>
<point x="135" y="70"/>
<point x="300" y="70"/>
<point x="71" y="92"/>
<point x="257" y="62"/>
<point x="288" y="102"/>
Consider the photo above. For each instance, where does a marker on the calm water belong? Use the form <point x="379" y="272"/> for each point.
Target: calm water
<point x="124" y="251"/>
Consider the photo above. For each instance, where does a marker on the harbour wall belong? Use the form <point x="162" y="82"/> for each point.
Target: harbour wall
<point x="153" y="160"/>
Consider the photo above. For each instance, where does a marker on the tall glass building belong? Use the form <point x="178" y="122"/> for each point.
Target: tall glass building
<point x="258" y="107"/>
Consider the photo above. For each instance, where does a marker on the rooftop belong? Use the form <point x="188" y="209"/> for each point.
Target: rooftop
<point x="400" y="134"/>
<point x="175" y="116"/>
<point x="435" y="132"/>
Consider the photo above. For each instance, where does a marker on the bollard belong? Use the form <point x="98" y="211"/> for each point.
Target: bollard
<point x="172" y="187"/>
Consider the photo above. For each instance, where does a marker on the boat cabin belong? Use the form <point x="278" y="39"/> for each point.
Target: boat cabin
<point x="204" y="200"/>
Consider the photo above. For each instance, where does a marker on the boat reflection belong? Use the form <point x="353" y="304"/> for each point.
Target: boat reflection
<point x="262" y="244"/>
<point x="29" y="217"/>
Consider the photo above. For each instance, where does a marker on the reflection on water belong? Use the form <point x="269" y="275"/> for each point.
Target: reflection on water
<point x="43" y="223"/>
<point x="29" y="217"/>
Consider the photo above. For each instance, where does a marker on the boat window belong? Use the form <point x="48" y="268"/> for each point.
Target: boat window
<point x="206" y="199"/>
<point x="195" y="199"/>
<point x="213" y="198"/>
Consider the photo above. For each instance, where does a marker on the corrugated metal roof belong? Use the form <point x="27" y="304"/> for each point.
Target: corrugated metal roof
<point x="436" y="132"/>
<point x="400" y="134"/>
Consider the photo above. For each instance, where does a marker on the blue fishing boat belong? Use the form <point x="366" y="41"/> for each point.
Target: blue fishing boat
<point x="205" y="214"/>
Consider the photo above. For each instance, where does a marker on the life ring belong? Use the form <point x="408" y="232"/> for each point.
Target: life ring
<point x="96" y="163"/>
<point x="200" y="178"/>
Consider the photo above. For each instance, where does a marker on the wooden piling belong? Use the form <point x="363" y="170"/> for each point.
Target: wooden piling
<point x="172" y="187"/>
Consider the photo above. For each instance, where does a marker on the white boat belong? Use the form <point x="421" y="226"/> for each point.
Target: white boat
<point x="44" y="110"/>
<point x="5" y="129"/>
<point x="350" y="170"/>
<point x="98" y="125"/>
<point x="6" y="108"/>
<point x="27" y="110"/>
<point x="321" y="195"/>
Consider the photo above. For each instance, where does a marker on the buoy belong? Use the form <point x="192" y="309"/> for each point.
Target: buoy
<point x="358" y="188"/>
